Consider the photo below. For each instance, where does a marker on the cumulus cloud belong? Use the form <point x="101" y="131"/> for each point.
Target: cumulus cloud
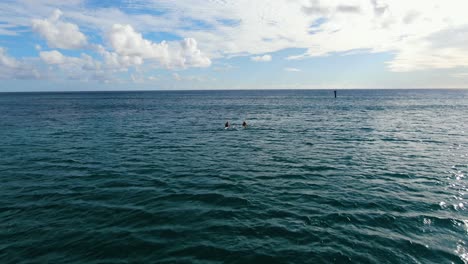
<point x="52" y="57"/>
<point x="128" y="49"/>
<point x="82" y="68"/>
<point x="191" y="56"/>
<point x="263" y="58"/>
<point x="127" y="42"/>
<point x="116" y="62"/>
<point x="7" y="61"/>
<point x="11" y="68"/>
<point x="59" y="34"/>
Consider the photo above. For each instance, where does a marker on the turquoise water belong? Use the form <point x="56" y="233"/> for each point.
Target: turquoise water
<point x="142" y="177"/>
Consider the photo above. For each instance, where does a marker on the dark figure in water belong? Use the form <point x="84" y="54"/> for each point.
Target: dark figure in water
<point x="244" y="124"/>
<point x="226" y="125"/>
<point x="335" y="93"/>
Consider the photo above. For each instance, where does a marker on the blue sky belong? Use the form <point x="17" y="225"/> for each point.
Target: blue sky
<point x="191" y="44"/>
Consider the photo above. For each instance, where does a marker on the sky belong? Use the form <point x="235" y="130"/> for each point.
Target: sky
<point x="55" y="45"/>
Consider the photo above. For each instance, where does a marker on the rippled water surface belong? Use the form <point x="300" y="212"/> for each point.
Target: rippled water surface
<point x="144" y="177"/>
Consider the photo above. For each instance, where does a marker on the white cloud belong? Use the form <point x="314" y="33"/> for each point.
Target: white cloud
<point x="130" y="49"/>
<point x="421" y="57"/>
<point x="292" y="69"/>
<point x="263" y="58"/>
<point x="77" y="68"/>
<point x="52" y="57"/>
<point x="190" y="78"/>
<point x="114" y="61"/>
<point x="422" y="34"/>
<point x="269" y="26"/>
<point x="191" y="56"/>
<point x="127" y="42"/>
<point x="84" y="62"/>
<point x="321" y="27"/>
<point x="393" y="26"/>
<point x="11" y="68"/>
<point x="7" y="61"/>
<point x="59" y="34"/>
<point x="443" y="49"/>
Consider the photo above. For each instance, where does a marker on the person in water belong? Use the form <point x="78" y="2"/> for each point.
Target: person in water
<point x="226" y="125"/>
<point x="244" y="124"/>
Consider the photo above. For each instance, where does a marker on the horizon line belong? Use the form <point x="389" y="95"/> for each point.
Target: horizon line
<point x="237" y="89"/>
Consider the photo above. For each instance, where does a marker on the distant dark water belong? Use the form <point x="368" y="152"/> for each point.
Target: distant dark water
<point x="144" y="177"/>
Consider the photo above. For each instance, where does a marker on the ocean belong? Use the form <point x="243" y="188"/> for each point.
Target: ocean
<point x="373" y="176"/>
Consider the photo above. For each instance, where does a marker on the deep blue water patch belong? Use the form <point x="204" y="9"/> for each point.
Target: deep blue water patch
<point x="373" y="176"/>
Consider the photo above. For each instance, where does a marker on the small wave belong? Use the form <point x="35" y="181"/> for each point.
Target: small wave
<point x="318" y="168"/>
<point x="208" y="198"/>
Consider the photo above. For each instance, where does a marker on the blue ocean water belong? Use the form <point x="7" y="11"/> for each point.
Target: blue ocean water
<point x="373" y="176"/>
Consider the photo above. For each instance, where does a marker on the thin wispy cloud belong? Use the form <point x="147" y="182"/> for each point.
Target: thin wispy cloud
<point x="292" y="69"/>
<point x="462" y="75"/>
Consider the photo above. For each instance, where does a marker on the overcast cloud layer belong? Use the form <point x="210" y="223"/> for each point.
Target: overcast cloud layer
<point x="99" y="42"/>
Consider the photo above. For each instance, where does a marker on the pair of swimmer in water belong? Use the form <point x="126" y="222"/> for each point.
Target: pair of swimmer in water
<point x="227" y="125"/>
